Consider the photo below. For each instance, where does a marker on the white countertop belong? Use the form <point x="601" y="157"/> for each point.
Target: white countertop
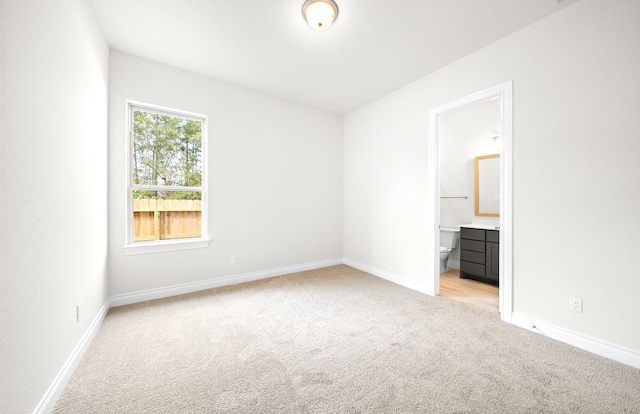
<point x="479" y="226"/>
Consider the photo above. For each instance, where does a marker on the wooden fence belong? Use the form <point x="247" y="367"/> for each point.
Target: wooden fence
<point x="166" y="219"/>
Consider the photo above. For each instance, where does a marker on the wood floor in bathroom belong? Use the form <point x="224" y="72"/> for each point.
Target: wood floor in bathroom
<point x="469" y="291"/>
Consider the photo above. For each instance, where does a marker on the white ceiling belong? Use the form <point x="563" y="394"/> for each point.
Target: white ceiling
<point x="373" y="48"/>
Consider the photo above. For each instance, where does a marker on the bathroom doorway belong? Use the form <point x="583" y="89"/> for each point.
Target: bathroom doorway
<point x="469" y="137"/>
<point x="477" y="125"/>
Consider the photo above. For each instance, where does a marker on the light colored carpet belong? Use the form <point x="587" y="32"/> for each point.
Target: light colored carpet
<point x="334" y="340"/>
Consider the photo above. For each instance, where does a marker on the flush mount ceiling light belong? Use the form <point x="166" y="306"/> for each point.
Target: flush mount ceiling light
<point x="320" y="13"/>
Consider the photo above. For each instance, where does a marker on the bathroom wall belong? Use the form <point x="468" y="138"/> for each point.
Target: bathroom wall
<point x="464" y="134"/>
<point x="575" y="160"/>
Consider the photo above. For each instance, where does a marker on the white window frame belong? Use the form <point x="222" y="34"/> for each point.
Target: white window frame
<point x="157" y="246"/>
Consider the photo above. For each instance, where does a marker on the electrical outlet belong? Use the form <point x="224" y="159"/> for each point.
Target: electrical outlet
<point x="78" y="311"/>
<point x="575" y="304"/>
<point x="234" y="259"/>
<point x="374" y="253"/>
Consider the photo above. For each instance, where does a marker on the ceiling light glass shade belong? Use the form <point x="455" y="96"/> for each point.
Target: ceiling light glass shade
<point x="320" y="13"/>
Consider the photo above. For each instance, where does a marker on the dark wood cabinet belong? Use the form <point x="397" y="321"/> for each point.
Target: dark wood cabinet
<point x="480" y="255"/>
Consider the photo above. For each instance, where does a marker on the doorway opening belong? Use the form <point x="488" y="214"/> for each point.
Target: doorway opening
<point x="502" y="97"/>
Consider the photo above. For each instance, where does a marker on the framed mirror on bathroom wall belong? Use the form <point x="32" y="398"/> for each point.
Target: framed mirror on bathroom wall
<point x="488" y="185"/>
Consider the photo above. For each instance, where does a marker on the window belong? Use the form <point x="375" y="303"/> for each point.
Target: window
<point x="166" y="191"/>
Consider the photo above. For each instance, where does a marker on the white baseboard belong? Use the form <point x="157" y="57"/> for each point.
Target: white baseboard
<point x="60" y="382"/>
<point x="49" y="399"/>
<point x="136" y="297"/>
<point x="587" y="343"/>
<point x="400" y="280"/>
<point x="596" y="346"/>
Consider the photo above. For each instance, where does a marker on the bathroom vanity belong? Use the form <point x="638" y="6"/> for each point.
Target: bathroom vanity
<point x="480" y="253"/>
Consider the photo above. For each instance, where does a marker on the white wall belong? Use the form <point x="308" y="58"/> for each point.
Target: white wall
<point x="464" y="134"/>
<point x="275" y="178"/>
<point x="53" y="190"/>
<point x="576" y="192"/>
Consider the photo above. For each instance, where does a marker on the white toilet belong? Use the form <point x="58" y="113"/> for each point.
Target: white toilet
<point x="449" y="239"/>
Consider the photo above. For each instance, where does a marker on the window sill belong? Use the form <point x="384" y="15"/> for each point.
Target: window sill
<point x="165" y="246"/>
